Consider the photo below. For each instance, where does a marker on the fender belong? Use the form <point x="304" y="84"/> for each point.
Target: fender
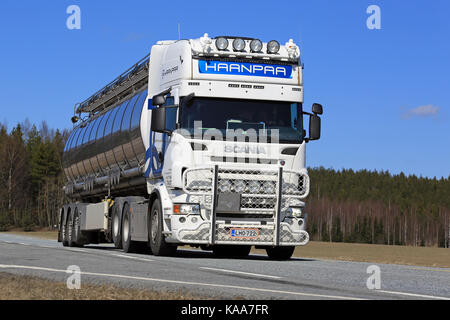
<point x="160" y="192"/>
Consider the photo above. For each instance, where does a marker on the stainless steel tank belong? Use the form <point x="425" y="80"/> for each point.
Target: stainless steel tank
<point x="108" y="141"/>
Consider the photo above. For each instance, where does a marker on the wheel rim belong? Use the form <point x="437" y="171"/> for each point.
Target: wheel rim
<point x="75" y="224"/>
<point x="154" y="230"/>
<point x="69" y="228"/>
<point x="116" y="225"/>
<point x="126" y="225"/>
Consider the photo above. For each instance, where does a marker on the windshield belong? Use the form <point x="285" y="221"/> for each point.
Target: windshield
<point x="262" y="116"/>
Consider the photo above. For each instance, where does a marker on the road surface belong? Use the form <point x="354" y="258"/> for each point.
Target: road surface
<point x="200" y="272"/>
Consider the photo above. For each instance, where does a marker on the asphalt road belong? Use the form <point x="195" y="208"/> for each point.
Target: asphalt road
<point x="255" y="277"/>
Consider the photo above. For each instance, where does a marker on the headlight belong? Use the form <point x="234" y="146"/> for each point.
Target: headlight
<point x="224" y="185"/>
<point x="273" y="47"/>
<point x="199" y="185"/>
<point x="268" y="187"/>
<point x="256" y="45"/>
<point x="186" y="208"/>
<point x="221" y="43"/>
<point x="254" y="187"/>
<point x="239" y="186"/>
<point x="238" y="44"/>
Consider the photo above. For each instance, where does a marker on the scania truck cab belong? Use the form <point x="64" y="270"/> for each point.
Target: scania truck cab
<point x="202" y="143"/>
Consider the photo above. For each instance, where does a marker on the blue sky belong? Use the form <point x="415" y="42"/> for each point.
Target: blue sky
<point x="385" y="92"/>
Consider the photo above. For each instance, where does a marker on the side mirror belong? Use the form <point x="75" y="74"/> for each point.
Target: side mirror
<point x="159" y="120"/>
<point x="159" y="100"/>
<point x="317" y="108"/>
<point x="314" y="127"/>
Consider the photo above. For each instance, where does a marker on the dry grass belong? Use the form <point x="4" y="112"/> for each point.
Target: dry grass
<point x="33" y="288"/>
<point x="417" y="256"/>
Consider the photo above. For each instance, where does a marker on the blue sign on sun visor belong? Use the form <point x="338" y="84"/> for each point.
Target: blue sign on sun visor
<point x="245" y="69"/>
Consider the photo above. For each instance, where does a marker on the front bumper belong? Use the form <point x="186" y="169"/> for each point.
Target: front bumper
<point x="272" y="226"/>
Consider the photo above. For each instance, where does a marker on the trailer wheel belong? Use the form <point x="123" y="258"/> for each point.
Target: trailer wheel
<point x="156" y="239"/>
<point x="65" y="243"/>
<point x="76" y="229"/>
<point x="127" y="244"/>
<point x="69" y="230"/>
<point x="116" y="234"/>
<point x="280" y="253"/>
<point x="230" y="251"/>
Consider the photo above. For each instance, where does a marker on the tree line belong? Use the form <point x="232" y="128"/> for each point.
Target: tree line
<point x="343" y="206"/>
<point x="31" y="176"/>
<point x="378" y="207"/>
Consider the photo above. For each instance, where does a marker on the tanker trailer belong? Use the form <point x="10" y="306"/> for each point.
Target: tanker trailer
<point x="200" y="143"/>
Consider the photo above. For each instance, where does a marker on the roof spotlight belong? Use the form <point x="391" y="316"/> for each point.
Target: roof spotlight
<point x="273" y="47"/>
<point x="256" y="45"/>
<point x="238" y="44"/>
<point x="221" y="43"/>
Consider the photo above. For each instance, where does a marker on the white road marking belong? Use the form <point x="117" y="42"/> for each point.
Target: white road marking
<point x="77" y="250"/>
<point x="240" y="272"/>
<point x="413" y="295"/>
<point x="130" y="257"/>
<point x="196" y="284"/>
<point x="431" y="269"/>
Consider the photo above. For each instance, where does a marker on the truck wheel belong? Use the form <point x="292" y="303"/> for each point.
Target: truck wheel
<point x="69" y="230"/>
<point x="280" y="253"/>
<point x="76" y="229"/>
<point x="127" y="244"/>
<point x="116" y="234"/>
<point x="231" y="251"/>
<point x="156" y="239"/>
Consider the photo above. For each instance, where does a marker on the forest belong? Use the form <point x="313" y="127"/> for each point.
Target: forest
<point x="343" y="205"/>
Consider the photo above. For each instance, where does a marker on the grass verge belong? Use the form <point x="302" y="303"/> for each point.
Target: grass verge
<point x="33" y="288"/>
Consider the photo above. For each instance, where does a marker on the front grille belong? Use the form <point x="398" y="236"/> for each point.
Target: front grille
<point x="257" y="188"/>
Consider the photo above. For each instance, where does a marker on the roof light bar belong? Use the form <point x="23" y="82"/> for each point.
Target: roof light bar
<point x="221" y="43"/>
<point x="273" y="47"/>
<point x="256" y="45"/>
<point x="238" y="44"/>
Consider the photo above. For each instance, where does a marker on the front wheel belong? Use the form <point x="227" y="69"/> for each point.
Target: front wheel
<point x="280" y="253"/>
<point x="158" y="244"/>
<point x="116" y="235"/>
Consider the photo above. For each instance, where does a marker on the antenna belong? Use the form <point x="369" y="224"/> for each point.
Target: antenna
<point x="179" y="31"/>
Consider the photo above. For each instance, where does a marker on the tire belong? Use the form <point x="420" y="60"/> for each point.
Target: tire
<point x="280" y="253"/>
<point x="116" y="228"/>
<point x="76" y="229"/>
<point x="69" y="230"/>
<point x="231" y="251"/>
<point x="127" y="244"/>
<point x="156" y="239"/>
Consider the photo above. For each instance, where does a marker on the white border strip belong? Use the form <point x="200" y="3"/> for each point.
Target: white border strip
<point x="413" y="295"/>
<point x="195" y="284"/>
<point x="240" y="272"/>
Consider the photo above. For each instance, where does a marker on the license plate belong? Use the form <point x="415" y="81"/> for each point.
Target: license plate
<point x="244" y="233"/>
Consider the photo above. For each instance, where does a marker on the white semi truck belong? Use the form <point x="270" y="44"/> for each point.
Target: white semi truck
<point x="200" y="143"/>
